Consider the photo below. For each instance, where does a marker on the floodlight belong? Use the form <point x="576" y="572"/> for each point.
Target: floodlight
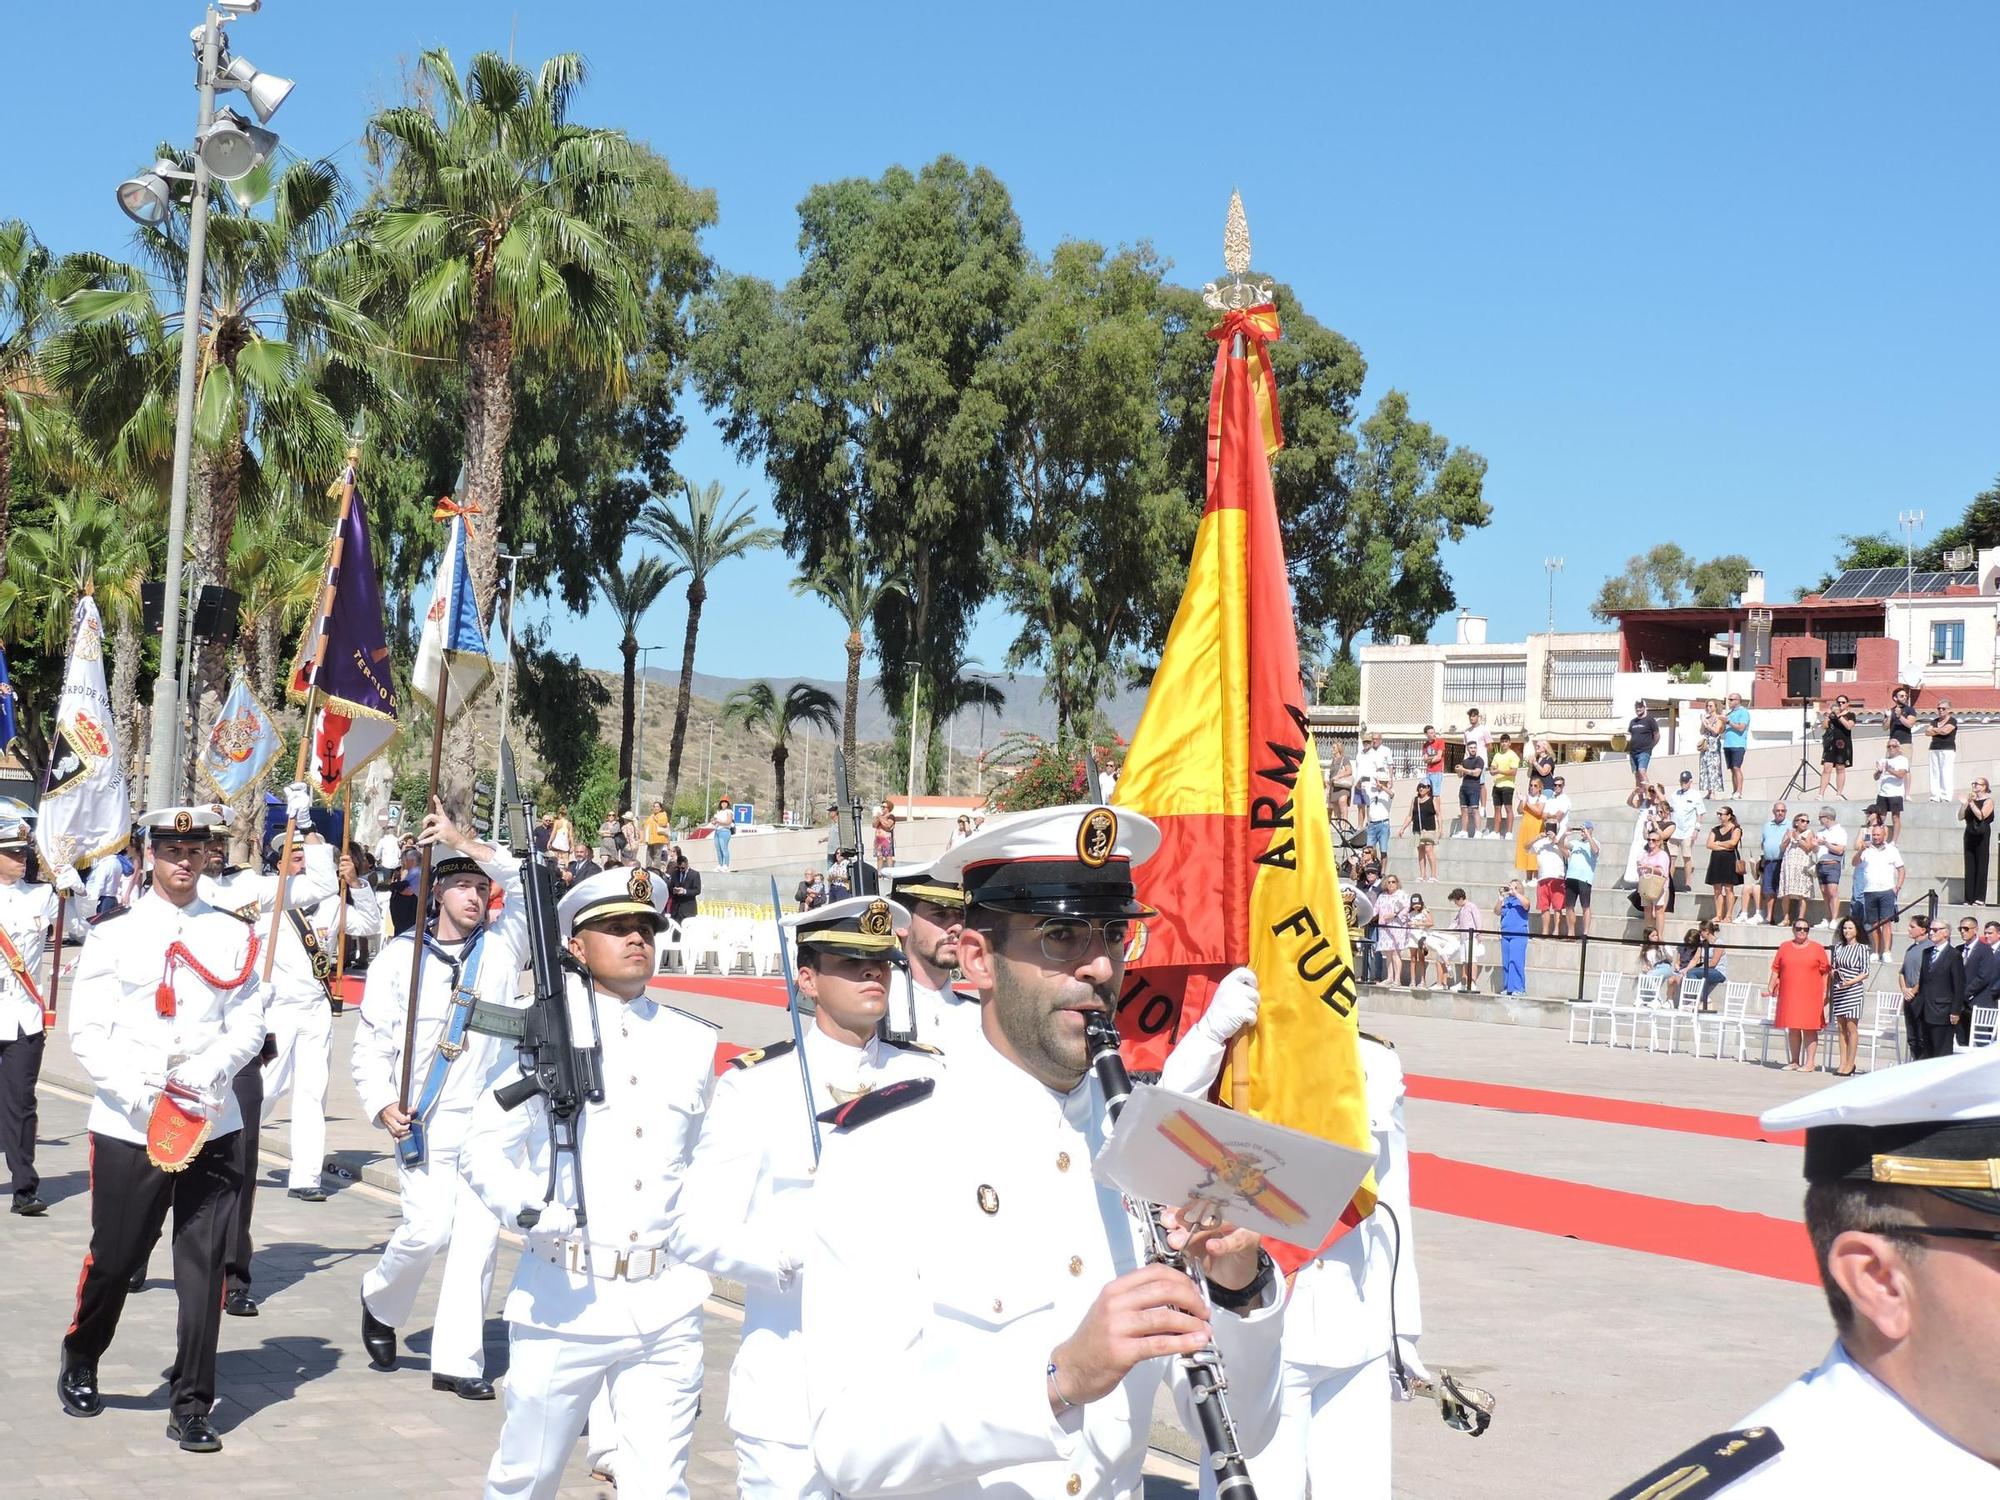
<point x="266" y="90"/>
<point x="233" y="148"/>
<point x="240" y="7"/>
<point x="146" y="199"/>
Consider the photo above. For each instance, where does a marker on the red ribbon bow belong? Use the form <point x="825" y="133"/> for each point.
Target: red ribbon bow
<point x="1259" y="327"/>
<point x="448" y="507"/>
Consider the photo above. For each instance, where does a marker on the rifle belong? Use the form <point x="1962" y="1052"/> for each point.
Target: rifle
<point x="862" y="869"/>
<point x="798" y="1032"/>
<point x="552" y="1064"/>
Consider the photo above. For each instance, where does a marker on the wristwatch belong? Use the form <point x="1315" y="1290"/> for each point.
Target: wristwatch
<point x="1249" y="1296"/>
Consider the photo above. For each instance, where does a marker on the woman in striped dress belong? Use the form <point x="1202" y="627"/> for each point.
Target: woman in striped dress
<point x="1850" y="983"/>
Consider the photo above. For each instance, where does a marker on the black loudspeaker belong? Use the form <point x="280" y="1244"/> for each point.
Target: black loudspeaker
<point x="152" y="607"/>
<point x="215" y="614"/>
<point x="1802" y="677"/>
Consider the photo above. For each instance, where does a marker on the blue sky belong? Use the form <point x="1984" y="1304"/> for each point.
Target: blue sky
<point x="1713" y="274"/>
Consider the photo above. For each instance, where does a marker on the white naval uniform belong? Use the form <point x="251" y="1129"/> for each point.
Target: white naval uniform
<point x="117" y="1035"/>
<point x="631" y="1318"/>
<point x="958" y="1241"/>
<point x="1845" y="1433"/>
<point x="296" y="1013"/>
<point x="743" y="1215"/>
<point x="364" y="916"/>
<point x="439" y="1208"/>
<point x="1334" y="1423"/>
<point x="947" y="1019"/>
<point x="26" y="910"/>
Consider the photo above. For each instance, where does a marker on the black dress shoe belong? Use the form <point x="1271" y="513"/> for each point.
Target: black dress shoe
<point x="28" y="1206"/>
<point x="77" y="1387"/>
<point x="194" y="1435"/>
<point x="136" y="1282"/>
<point x="378" y="1338"/>
<point x="465" y="1387"/>
<point x="306" y="1194"/>
<point x="240" y="1304"/>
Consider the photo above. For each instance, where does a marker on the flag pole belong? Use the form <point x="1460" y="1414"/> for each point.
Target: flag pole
<point x="291" y="832"/>
<point x="346" y="838"/>
<point x="424" y="886"/>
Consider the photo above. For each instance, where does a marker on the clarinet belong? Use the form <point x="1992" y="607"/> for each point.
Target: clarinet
<point x="1203" y="1370"/>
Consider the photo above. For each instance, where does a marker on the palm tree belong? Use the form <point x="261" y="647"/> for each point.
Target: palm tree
<point x="844" y="584"/>
<point x="277" y="560"/>
<point x="278" y="334"/>
<point x="700" y="542"/>
<point x="758" y="707"/>
<point x="508" y="230"/>
<point x="630" y="595"/>
<point x="29" y="291"/>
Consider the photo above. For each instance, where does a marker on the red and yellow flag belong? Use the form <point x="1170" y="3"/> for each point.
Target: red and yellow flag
<point x="1223" y="761"/>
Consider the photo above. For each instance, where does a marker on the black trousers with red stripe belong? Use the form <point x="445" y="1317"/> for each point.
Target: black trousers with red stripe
<point x="129" y="1199"/>
<point x="20" y="1067"/>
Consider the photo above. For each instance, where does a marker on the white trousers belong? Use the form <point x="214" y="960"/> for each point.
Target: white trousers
<point x="600" y="1436"/>
<point x="767" y="1470"/>
<point x="1943" y="763"/>
<point x="552" y="1380"/>
<point x="1333" y="1435"/>
<point x="439" y="1210"/>
<point x="304" y="1035"/>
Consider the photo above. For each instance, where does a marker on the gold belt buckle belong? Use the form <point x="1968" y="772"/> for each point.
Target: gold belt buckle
<point x="621" y="1266"/>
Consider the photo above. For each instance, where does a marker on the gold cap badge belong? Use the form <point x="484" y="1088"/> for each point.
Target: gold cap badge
<point x="875" y="921"/>
<point x="1097" y="837"/>
<point x="640" y="887"/>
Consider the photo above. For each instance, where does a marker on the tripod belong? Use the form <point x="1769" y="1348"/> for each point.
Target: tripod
<point x="1802" y="777"/>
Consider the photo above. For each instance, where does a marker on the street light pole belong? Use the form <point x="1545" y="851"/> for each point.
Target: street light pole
<point x="162" y="771"/>
<point x="916" y="698"/>
<point x="512" y="559"/>
<point x="1553" y="566"/>
<point x="1910" y="521"/>
<point x="639" y="730"/>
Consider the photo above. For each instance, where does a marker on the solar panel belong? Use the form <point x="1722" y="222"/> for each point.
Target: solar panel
<point x="1887" y="583"/>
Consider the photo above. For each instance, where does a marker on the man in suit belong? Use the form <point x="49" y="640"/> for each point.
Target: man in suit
<point x="1982" y="973"/>
<point x="1940" y="997"/>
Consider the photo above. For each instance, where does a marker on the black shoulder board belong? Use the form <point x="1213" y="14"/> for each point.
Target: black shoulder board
<point x="1709" y="1467"/>
<point x="957" y="993"/>
<point x="1380" y="1041"/>
<point x="924" y="1047"/>
<point x="756" y="1055"/>
<point x="878" y="1102"/>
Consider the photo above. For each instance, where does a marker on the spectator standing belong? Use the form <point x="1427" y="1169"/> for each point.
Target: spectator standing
<point x="885" y="834"/>
<point x="683" y="887"/>
<point x="1796" y="870"/>
<point x="1527" y="827"/>
<point x="1392" y="931"/>
<point x="1505" y="765"/>
<point x="1339" y="782"/>
<point x="388" y="848"/>
<point x="1918" y="938"/>
<point x="1836" y="745"/>
<point x="1555" y="805"/>
<point x="1374" y="767"/>
<point x="1542" y="762"/>
<point x="1478" y="734"/>
<point x="1642" y="733"/>
<point x="562" y="837"/>
<point x="403" y="893"/>
<point x="1829" y="855"/>
<point x="1513" y="940"/>
<point x="1423" y="822"/>
<point x="1434" y="761"/>
<point x="1471" y="768"/>
<point x="1939" y="1000"/>
<point x="1580" y="854"/>
<point x="1725" y="863"/>
<point x="1465" y="920"/>
<point x="1943" y="730"/>
<point x="1381" y="798"/>
<point x="960" y="833"/>
<point x="659" y="833"/>
<point x="1735" y="742"/>
<point x="1709" y="748"/>
<point x="1655" y="870"/>
<point x="1850" y="988"/>
<point x="1881" y="882"/>
<point x="1551" y="870"/>
<point x="1800" y="970"/>
<point x="1979" y="962"/>
<point x="1892" y="780"/>
<point x="1770" y="866"/>
<point x="1985" y="992"/>
<point x="722" y="825"/>
<point x="1902" y="717"/>
<point x="1977" y="814"/>
<point x="1688" y="809"/>
<point x="545" y="827"/>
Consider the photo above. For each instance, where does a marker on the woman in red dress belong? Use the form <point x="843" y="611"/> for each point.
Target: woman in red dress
<point x="1799" y="973"/>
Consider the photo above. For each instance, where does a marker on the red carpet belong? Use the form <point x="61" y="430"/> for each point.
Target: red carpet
<point x="1598" y="1107"/>
<point x="766" y="991"/>
<point x="1724" y="1237"/>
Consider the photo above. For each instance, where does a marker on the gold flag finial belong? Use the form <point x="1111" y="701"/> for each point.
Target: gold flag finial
<point x="1236" y="238"/>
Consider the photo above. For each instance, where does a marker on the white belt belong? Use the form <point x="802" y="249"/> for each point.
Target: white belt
<point x="605" y="1262"/>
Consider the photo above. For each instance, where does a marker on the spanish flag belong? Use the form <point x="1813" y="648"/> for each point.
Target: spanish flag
<point x="1223" y="761"/>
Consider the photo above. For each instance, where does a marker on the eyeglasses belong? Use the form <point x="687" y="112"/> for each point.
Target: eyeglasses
<point x="1797" y="928"/>
<point x="1070" y="940"/>
<point x="1940" y="1232"/>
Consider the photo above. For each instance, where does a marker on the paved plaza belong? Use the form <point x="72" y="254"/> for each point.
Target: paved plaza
<point x="1621" y="1276"/>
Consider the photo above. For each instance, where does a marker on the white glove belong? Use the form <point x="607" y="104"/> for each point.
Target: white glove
<point x="145" y="1091"/>
<point x="558" y="1219"/>
<point x="298" y="804"/>
<point x="68" y="881"/>
<point x="1233" y="1008"/>
<point x="198" y="1082"/>
<point x="1414" y="1368"/>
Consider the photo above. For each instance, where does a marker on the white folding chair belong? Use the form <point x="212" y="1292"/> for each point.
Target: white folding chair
<point x="697" y="939"/>
<point x="1985" y="1022"/>
<point x="1606" y="1005"/>
<point x="1884" y="1023"/>
<point x="667" y="946"/>
<point x="1686" y="1011"/>
<point x="1734" y="1016"/>
<point x="1644" y="1009"/>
